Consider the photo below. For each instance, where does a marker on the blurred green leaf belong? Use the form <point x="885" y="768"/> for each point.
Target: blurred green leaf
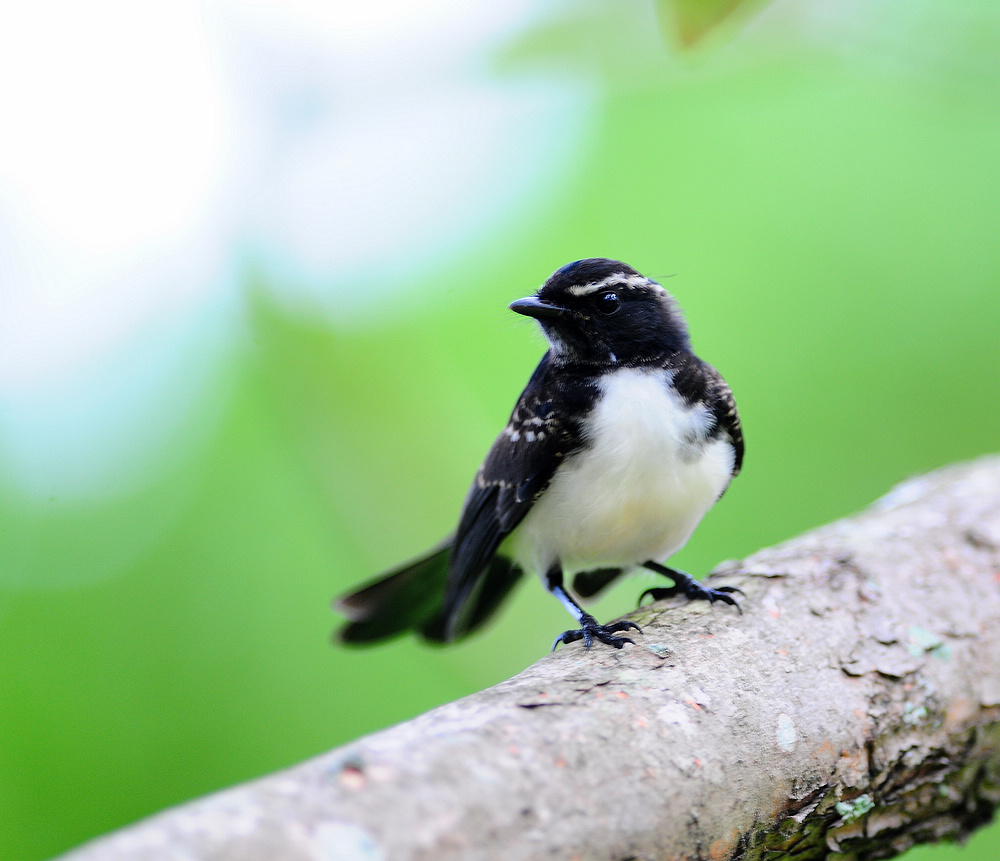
<point x="692" y="20"/>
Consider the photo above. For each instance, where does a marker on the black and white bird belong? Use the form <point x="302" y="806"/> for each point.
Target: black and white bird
<point x="621" y="442"/>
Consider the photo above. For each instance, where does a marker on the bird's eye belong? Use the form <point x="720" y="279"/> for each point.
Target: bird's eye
<point x="607" y="302"/>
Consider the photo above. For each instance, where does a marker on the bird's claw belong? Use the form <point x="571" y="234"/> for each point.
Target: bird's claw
<point x="590" y="630"/>
<point x="695" y="591"/>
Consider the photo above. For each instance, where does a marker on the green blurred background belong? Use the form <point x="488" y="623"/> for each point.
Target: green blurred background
<point x="817" y="183"/>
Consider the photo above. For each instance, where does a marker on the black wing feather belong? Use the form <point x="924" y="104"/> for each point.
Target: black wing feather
<point x="518" y="468"/>
<point x="727" y="418"/>
<point x="696" y="380"/>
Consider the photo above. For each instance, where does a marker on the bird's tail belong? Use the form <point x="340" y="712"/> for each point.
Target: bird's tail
<point x="408" y="598"/>
<point x="416" y="597"/>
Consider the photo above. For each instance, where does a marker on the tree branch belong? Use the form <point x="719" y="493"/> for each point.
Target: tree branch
<point x="855" y="706"/>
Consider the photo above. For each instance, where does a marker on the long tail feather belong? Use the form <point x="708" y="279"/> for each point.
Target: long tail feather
<point x="414" y="597"/>
<point x="407" y="598"/>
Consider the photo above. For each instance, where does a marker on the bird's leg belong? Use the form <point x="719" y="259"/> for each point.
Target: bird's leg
<point x="686" y="585"/>
<point x="589" y="629"/>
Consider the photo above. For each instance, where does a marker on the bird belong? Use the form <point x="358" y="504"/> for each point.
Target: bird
<point x="620" y="443"/>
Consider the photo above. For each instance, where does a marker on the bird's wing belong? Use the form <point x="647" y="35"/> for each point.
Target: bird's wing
<point x="727" y="418"/>
<point x="518" y="468"/>
<point x="697" y="380"/>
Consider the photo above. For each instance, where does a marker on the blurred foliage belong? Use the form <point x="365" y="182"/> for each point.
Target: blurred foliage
<point x="692" y="20"/>
<point x="824" y="207"/>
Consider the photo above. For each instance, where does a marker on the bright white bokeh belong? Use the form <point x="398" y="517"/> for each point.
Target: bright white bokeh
<point x="153" y="153"/>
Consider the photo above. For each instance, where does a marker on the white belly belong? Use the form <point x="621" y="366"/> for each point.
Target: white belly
<point x="638" y="491"/>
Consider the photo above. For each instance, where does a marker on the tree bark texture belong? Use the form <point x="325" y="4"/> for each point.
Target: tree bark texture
<point x="854" y="707"/>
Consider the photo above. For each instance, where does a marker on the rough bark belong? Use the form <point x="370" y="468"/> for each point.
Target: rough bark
<point x="854" y="706"/>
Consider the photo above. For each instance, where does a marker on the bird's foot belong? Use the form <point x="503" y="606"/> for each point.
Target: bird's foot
<point x="686" y="585"/>
<point x="589" y="631"/>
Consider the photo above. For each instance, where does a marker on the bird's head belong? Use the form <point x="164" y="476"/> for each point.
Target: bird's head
<point x="603" y="312"/>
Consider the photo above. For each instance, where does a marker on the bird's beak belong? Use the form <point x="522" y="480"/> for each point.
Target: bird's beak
<point x="532" y="306"/>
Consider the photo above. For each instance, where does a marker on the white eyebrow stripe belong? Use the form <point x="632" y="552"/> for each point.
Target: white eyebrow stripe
<point x="611" y="281"/>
